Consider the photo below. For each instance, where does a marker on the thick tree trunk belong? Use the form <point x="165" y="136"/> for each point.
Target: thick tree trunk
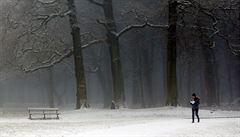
<point x="117" y="76"/>
<point x="172" y="55"/>
<point x="51" y="89"/>
<point x="81" y="95"/>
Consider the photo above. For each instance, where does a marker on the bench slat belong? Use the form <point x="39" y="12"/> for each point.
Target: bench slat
<point x="52" y="113"/>
<point x="43" y="109"/>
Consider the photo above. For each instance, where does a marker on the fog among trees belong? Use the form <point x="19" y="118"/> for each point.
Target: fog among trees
<point x="131" y="53"/>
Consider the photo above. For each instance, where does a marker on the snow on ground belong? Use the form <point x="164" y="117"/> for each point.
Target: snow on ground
<point x="157" y="122"/>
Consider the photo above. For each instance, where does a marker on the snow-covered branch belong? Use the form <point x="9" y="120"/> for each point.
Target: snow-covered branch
<point x="47" y="1"/>
<point x="130" y="27"/>
<point x="57" y="57"/>
<point x="50" y="62"/>
<point x="48" y="17"/>
<point x="133" y="26"/>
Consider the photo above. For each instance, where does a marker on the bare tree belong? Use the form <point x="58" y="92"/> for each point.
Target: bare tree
<point x="113" y="41"/>
<point x="37" y="40"/>
<point x="78" y="57"/>
<point x="113" y="36"/>
<point x="172" y="54"/>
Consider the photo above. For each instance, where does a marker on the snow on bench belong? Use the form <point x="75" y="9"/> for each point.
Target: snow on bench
<point x="44" y="112"/>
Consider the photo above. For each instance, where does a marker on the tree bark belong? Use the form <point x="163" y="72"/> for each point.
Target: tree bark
<point x="172" y="55"/>
<point x="117" y="76"/>
<point x="81" y="96"/>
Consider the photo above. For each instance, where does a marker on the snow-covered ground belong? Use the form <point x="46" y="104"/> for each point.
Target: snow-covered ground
<point x="157" y="122"/>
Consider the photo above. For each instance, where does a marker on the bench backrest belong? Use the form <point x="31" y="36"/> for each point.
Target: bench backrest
<point x="42" y="109"/>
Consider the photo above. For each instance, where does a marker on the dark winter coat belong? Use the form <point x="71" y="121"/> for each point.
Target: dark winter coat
<point x="196" y="104"/>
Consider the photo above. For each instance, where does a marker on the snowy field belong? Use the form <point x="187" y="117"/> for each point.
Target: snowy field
<point x="158" y="122"/>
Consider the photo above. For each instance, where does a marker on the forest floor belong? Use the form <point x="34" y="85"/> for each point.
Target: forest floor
<point x="156" y="122"/>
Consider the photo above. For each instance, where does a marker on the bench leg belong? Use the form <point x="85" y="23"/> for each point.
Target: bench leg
<point x="30" y="115"/>
<point x="44" y="116"/>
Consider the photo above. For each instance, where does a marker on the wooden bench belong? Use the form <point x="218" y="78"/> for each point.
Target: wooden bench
<point x="44" y="112"/>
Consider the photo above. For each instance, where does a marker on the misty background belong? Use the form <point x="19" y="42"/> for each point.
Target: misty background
<point x="143" y="55"/>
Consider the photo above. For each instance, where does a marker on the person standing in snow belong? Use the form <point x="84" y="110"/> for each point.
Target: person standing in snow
<point x="195" y="101"/>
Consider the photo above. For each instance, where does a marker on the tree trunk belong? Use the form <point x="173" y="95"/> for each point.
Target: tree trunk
<point x="137" y="77"/>
<point x="209" y="68"/>
<point x="210" y="77"/>
<point x="51" y="89"/>
<point x="142" y="100"/>
<point x="136" y="88"/>
<point x="1" y="95"/>
<point x="103" y="79"/>
<point x="81" y="96"/>
<point x="117" y="76"/>
<point x="146" y="73"/>
<point x="172" y="55"/>
<point x="229" y="78"/>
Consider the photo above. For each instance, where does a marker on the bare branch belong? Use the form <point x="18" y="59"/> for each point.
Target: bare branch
<point x="49" y="63"/>
<point x="146" y="24"/>
<point x="46" y="18"/>
<point x="130" y="27"/>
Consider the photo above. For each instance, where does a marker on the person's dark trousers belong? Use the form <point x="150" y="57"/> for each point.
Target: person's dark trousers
<point x="195" y="111"/>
